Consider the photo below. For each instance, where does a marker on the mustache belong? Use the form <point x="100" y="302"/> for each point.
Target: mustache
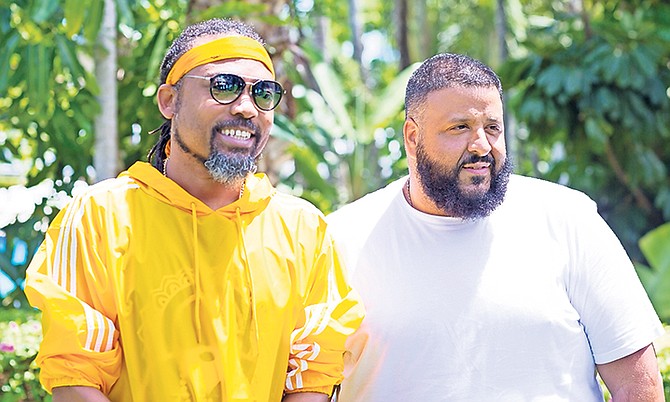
<point x="472" y="158"/>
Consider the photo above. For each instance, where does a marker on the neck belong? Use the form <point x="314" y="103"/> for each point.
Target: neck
<point x="418" y="200"/>
<point x="197" y="181"/>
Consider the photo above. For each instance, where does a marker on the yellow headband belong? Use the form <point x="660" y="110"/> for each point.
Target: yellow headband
<point x="228" y="47"/>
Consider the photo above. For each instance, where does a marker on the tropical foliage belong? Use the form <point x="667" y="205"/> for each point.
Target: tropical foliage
<point x="656" y="276"/>
<point x="588" y="105"/>
<point x="594" y="111"/>
<point x="20" y="336"/>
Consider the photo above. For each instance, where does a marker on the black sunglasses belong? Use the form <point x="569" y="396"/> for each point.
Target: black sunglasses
<point x="226" y="88"/>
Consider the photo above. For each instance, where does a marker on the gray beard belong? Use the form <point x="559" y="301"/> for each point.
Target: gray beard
<point x="230" y="169"/>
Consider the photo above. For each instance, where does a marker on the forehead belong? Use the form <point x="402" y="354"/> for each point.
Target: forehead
<point x="461" y="99"/>
<point x="244" y="67"/>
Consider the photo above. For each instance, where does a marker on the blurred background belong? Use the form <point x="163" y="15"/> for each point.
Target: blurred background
<point x="587" y="98"/>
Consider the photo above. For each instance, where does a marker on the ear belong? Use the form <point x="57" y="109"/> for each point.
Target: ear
<point x="410" y="133"/>
<point x="167" y="100"/>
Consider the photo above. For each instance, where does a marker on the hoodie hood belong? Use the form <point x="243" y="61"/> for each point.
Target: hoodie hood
<point x="257" y="193"/>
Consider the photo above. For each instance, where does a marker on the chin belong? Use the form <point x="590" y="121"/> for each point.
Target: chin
<point x="476" y="186"/>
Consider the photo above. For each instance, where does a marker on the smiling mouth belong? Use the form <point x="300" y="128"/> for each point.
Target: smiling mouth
<point x="236" y="133"/>
<point x="477" y="166"/>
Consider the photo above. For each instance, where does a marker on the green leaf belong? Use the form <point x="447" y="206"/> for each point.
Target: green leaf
<point x="654" y="245"/>
<point x="334" y="94"/>
<point x="237" y="9"/>
<point x="662" y="202"/>
<point x="6" y="51"/>
<point x="574" y="82"/>
<point x="644" y="62"/>
<point x="125" y="12"/>
<point x="392" y="101"/>
<point x="160" y="45"/>
<point x="93" y="20"/>
<point x="324" y="116"/>
<point x="532" y="109"/>
<point x="66" y="51"/>
<point x="654" y="170"/>
<point x="641" y="109"/>
<point x="39" y="68"/>
<point x="612" y="68"/>
<point x="42" y="10"/>
<point x="306" y="163"/>
<point x="596" y="135"/>
<point x="74" y="11"/>
<point x="285" y="130"/>
<point x="550" y="79"/>
<point x="5" y="20"/>
<point x="605" y="100"/>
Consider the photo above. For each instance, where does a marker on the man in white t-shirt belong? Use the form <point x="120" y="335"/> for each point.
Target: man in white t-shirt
<point x="481" y="285"/>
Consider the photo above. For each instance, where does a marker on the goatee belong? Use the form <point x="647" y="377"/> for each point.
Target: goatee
<point x="231" y="167"/>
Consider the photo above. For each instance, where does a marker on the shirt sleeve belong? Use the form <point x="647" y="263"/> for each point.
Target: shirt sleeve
<point x="614" y="309"/>
<point x="332" y="312"/>
<point x="68" y="281"/>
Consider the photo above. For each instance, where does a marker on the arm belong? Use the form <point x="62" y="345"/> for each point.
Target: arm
<point x="634" y="377"/>
<point x="332" y="312"/>
<point x="68" y="281"/>
<point x="78" y="394"/>
<point x="305" y="397"/>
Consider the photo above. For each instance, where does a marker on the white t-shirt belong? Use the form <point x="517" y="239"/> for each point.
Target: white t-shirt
<point x="518" y="306"/>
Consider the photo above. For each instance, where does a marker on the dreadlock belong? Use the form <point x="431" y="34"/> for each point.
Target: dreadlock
<point x="183" y="43"/>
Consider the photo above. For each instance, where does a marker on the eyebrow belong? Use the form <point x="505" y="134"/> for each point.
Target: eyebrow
<point x="464" y="119"/>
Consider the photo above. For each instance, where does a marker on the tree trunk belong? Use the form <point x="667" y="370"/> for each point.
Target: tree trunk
<point x="402" y="33"/>
<point x="501" y="30"/>
<point x="106" y="151"/>
<point x="503" y="53"/>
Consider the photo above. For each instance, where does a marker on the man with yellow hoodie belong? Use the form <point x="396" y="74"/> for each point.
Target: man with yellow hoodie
<point x="192" y="278"/>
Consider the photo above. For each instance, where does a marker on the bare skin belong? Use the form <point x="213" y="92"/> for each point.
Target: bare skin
<point x="305" y="397"/>
<point x="634" y="378"/>
<point x="90" y="394"/>
<point x="78" y="394"/>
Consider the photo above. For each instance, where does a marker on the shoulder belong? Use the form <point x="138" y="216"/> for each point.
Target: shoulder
<point x="294" y="204"/>
<point x="295" y="211"/>
<point x="360" y="215"/>
<point x="375" y="201"/>
<point x="525" y="190"/>
<point x="104" y="192"/>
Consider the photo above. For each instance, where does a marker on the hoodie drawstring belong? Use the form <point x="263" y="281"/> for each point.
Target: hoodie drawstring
<point x="249" y="278"/>
<point x="196" y="274"/>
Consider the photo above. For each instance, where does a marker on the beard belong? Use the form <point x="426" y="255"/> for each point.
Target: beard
<point x="229" y="167"/>
<point x="441" y="185"/>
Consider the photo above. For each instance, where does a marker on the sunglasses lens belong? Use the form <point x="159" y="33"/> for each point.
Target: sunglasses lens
<point x="226" y="88"/>
<point x="267" y="94"/>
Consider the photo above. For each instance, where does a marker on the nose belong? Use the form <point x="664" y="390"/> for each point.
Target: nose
<point x="480" y="144"/>
<point x="244" y="105"/>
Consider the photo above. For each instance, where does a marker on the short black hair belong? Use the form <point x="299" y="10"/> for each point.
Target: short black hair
<point x="183" y="43"/>
<point x="446" y="70"/>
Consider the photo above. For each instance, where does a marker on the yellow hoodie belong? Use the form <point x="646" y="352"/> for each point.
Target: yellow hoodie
<point x="149" y="295"/>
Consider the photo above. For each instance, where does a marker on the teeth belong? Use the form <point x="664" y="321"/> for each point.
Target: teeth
<point x="240" y="134"/>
